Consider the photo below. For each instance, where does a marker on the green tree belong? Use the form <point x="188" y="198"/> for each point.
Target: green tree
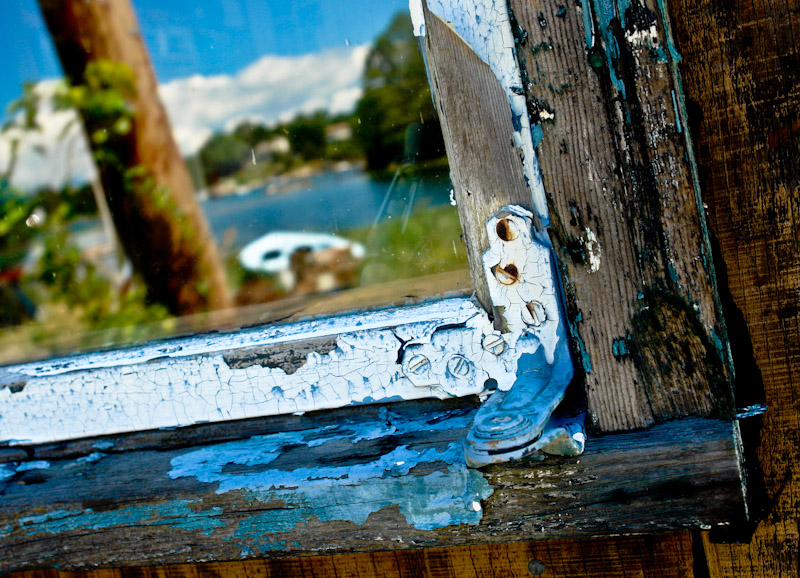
<point x="395" y="118"/>
<point x="222" y="155"/>
<point x="306" y="135"/>
<point x="252" y="133"/>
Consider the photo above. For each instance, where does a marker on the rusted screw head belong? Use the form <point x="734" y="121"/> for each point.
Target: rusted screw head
<point x="506" y="274"/>
<point x="494" y="343"/>
<point x="537" y="313"/>
<point x="417" y="364"/>
<point x="459" y="366"/>
<point x="506" y="230"/>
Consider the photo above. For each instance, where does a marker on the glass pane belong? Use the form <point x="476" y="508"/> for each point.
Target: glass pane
<point x="305" y="134"/>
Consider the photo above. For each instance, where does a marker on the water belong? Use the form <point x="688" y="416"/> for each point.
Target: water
<point x="329" y="202"/>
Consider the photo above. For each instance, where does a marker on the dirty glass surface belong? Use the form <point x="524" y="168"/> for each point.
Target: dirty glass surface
<point x="312" y="143"/>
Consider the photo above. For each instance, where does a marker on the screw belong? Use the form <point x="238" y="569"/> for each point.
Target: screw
<point x="494" y="343"/>
<point x="507" y="275"/>
<point x="459" y="366"/>
<point x="536" y="567"/>
<point x="538" y="314"/>
<point x="417" y="364"/>
<point x="506" y="230"/>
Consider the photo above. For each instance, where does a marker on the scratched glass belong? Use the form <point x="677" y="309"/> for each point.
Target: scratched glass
<point x="313" y="147"/>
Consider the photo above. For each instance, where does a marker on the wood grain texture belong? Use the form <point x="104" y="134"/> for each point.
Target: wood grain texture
<point x="624" y="215"/>
<point x="124" y="490"/>
<point x="741" y="72"/>
<point x="665" y="556"/>
<point x="476" y="120"/>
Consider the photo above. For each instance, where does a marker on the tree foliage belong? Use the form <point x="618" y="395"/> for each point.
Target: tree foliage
<point x="306" y="134"/>
<point x="222" y="155"/>
<point x="396" y="118"/>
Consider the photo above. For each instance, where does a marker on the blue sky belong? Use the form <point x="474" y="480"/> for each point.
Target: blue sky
<point x="219" y="63"/>
<point x="206" y="37"/>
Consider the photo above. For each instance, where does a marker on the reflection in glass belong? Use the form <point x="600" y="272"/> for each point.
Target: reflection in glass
<point x="309" y="134"/>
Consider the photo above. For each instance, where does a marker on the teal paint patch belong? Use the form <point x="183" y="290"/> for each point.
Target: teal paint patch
<point x="348" y="492"/>
<point x="673" y="274"/>
<point x="677" y="113"/>
<point x="175" y="513"/>
<point x="622" y="8"/>
<point x="537" y="134"/>
<point x="718" y="345"/>
<point x="606" y="11"/>
<point x="619" y="347"/>
<point x="586" y="360"/>
<point x="588" y="24"/>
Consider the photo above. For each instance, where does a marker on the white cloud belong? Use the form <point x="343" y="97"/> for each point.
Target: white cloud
<point x="271" y="89"/>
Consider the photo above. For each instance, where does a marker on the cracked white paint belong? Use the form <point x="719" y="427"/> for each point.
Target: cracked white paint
<point x="486" y="27"/>
<point x="592" y="248"/>
<point x="189" y="381"/>
<point x="647" y="38"/>
<point x="530" y="290"/>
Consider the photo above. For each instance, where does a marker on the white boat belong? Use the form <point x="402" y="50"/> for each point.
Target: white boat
<point x="272" y="252"/>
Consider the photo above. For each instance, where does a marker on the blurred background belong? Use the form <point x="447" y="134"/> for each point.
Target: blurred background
<point x="167" y="158"/>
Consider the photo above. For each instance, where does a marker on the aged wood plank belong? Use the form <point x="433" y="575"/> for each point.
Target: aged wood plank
<point x="624" y="215"/>
<point x="665" y="556"/>
<point x="377" y="478"/>
<point x="741" y="71"/>
<point x="476" y="120"/>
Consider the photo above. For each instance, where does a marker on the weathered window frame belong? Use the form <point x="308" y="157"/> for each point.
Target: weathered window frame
<point x="681" y="473"/>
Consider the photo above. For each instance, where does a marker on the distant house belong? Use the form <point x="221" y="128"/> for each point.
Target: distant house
<point x="338" y="132"/>
<point x="269" y="148"/>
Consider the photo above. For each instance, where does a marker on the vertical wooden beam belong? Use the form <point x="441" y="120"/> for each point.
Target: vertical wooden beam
<point x="476" y="120"/>
<point x="741" y="72"/>
<point x="172" y="247"/>
<point x="625" y="219"/>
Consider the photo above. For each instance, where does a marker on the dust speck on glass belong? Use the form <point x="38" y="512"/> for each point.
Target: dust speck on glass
<point x="312" y="143"/>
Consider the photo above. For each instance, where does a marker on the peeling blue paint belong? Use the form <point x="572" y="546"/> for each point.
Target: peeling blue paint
<point x="345" y="492"/>
<point x="537" y="134"/>
<point x="606" y="11"/>
<point x="175" y="513"/>
<point x="103" y="445"/>
<point x="677" y="113"/>
<point x="588" y="23"/>
<point x="586" y="360"/>
<point x="92" y="457"/>
<point x="35" y="465"/>
<point x="718" y="345"/>
<point x="7" y="471"/>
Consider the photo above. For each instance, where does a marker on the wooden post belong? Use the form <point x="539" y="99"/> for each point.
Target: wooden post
<point x="169" y="244"/>
<point x="625" y="218"/>
<point x="741" y="72"/>
<point x="476" y="123"/>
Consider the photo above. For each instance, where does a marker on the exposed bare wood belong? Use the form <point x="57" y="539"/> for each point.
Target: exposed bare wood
<point x="171" y="246"/>
<point x="664" y="556"/>
<point x="476" y="120"/>
<point x="625" y="220"/>
<point x="741" y="71"/>
<point x="128" y="490"/>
